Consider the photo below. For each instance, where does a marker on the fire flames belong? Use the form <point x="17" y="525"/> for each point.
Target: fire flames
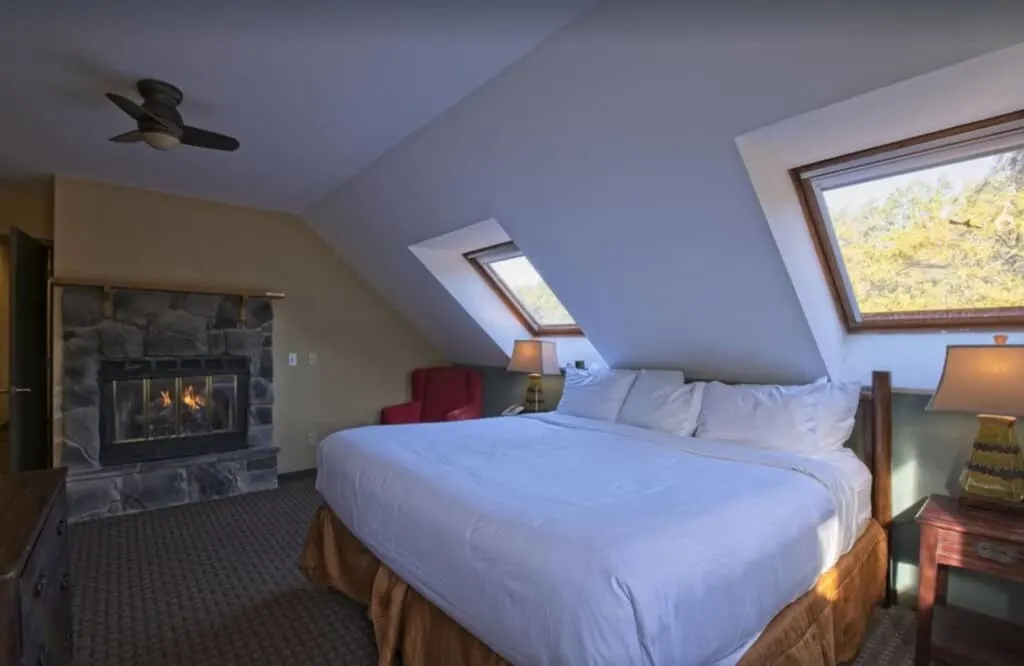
<point x="189" y="396"/>
<point x="192" y="399"/>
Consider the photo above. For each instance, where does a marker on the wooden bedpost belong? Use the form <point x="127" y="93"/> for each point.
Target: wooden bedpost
<point x="881" y="462"/>
<point x="881" y="450"/>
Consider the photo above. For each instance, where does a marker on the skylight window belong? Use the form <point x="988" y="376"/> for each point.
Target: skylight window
<point x="926" y="232"/>
<point x="507" y="270"/>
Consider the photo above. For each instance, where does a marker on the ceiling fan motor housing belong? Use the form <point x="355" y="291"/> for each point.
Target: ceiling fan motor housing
<point x="161" y="99"/>
<point x="160" y="92"/>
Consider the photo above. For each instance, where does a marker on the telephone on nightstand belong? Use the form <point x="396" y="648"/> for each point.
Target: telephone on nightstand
<point x="512" y="410"/>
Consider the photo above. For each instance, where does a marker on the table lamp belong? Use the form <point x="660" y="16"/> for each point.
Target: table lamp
<point x="536" y="358"/>
<point x="987" y="380"/>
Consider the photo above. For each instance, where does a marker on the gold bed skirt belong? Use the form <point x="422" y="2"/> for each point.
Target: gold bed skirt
<point x="824" y="627"/>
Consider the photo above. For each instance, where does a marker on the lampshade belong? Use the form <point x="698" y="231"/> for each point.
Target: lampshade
<point x="982" y="379"/>
<point x="534" y="357"/>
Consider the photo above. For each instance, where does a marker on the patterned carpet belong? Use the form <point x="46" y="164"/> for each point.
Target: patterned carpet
<point x="217" y="584"/>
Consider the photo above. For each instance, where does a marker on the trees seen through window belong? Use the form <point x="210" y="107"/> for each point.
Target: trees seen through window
<point x="509" y="272"/>
<point x="933" y="237"/>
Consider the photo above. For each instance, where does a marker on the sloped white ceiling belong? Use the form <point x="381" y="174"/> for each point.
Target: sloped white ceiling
<point x="608" y="155"/>
<point x="314" y="91"/>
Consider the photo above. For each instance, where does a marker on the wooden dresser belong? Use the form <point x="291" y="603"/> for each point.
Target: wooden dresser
<point x="35" y="582"/>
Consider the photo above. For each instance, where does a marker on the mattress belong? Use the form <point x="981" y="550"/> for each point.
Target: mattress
<point x="555" y="539"/>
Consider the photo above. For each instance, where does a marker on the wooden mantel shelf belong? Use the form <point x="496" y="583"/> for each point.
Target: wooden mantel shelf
<point x="177" y="287"/>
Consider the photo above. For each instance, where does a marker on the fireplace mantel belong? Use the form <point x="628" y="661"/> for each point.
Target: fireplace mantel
<point x="111" y="284"/>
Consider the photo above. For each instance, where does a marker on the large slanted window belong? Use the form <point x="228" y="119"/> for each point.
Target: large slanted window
<point x="927" y="232"/>
<point x="507" y="270"/>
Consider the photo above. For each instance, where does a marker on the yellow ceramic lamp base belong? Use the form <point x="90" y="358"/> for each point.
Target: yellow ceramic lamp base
<point x="996" y="467"/>
<point x="534" y="394"/>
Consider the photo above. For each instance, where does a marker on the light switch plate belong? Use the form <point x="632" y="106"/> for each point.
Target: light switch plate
<point x="312" y="358"/>
<point x="293" y="358"/>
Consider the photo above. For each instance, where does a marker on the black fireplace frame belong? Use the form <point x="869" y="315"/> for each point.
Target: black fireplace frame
<point x="161" y="448"/>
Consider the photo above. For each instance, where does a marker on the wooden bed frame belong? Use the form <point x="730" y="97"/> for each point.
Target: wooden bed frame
<point x="839" y="605"/>
<point x="874" y="417"/>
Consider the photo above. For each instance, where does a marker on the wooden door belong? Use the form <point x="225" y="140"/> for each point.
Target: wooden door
<point x="29" y="387"/>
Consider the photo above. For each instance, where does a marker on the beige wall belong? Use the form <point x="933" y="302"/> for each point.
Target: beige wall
<point x="365" y="349"/>
<point x="28" y="205"/>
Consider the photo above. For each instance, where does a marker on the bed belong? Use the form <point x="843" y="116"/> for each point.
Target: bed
<point x="550" y="539"/>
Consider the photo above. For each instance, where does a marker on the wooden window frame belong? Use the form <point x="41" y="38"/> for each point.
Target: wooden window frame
<point x="480" y="260"/>
<point x="830" y="255"/>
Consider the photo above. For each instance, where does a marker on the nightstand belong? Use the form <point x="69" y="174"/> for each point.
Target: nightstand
<point x="980" y="540"/>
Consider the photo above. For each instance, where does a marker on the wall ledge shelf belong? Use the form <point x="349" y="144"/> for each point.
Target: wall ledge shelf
<point x="110" y="285"/>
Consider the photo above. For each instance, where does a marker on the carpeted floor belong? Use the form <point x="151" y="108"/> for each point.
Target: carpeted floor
<point x="217" y="584"/>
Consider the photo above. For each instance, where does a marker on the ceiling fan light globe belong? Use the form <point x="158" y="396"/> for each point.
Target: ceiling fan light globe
<point x="161" y="140"/>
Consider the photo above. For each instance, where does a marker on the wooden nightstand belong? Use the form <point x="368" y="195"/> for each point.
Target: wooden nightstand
<point x="979" y="540"/>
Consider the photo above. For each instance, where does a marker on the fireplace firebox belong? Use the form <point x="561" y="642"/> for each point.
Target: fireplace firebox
<point x="157" y="408"/>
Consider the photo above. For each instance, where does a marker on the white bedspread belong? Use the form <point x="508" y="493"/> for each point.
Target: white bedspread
<point x="558" y="540"/>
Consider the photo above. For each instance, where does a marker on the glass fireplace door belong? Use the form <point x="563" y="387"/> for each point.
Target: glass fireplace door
<point x="159" y="408"/>
<point x="172" y="407"/>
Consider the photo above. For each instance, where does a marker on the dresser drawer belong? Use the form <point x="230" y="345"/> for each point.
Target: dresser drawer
<point x="51" y="644"/>
<point x="48" y="549"/>
<point x="35" y="612"/>
<point x="994" y="556"/>
<point x="53" y="647"/>
<point x="46" y="618"/>
<point x="45" y="592"/>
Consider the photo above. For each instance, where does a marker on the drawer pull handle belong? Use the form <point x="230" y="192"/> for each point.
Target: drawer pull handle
<point x="996" y="552"/>
<point x="65" y="581"/>
<point x="40" y="584"/>
<point x="61" y="525"/>
<point x="43" y="657"/>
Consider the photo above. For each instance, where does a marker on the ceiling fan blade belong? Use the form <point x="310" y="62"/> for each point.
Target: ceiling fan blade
<point x="128" y="106"/>
<point x="127" y="137"/>
<point x="136" y="111"/>
<point x="193" y="136"/>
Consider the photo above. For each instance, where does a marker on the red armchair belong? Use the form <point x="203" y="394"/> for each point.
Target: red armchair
<point x="439" y="394"/>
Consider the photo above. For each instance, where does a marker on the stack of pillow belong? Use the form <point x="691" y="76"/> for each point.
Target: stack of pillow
<point x="809" y="419"/>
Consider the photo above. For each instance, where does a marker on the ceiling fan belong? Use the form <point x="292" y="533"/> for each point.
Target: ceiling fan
<point x="159" y="123"/>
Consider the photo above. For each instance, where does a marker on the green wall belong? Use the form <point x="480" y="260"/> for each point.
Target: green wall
<point x="928" y="451"/>
<point x="503" y="388"/>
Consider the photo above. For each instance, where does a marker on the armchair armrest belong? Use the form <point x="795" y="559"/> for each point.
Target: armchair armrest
<point x="473" y="410"/>
<point x="407" y="412"/>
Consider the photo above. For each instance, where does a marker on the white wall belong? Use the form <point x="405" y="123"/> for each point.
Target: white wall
<point x="608" y="155"/>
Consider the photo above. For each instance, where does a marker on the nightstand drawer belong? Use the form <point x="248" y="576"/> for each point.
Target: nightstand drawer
<point x="994" y="556"/>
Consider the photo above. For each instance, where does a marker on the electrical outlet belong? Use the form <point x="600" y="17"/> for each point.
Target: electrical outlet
<point x="293" y="359"/>
<point x="312" y="358"/>
<point x="311" y="439"/>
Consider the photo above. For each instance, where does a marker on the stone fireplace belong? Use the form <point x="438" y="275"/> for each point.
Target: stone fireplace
<point x="166" y="398"/>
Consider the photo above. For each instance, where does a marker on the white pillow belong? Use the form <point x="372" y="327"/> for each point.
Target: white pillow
<point x="661" y="400"/>
<point x="808" y="419"/>
<point x="837" y="411"/>
<point x="595" y="394"/>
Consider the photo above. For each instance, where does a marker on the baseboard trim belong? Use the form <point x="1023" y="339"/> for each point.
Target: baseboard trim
<point x="299" y="475"/>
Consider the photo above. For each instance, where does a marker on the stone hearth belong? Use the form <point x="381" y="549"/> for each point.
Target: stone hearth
<point x="149" y="324"/>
